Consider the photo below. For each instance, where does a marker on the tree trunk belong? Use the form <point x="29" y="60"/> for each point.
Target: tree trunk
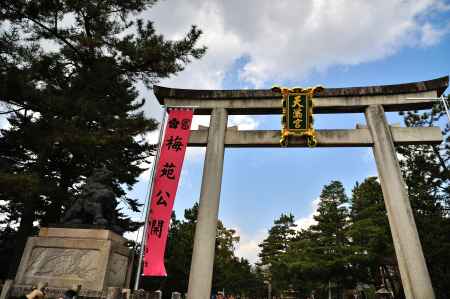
<point x="54" y="212"/>
<point x="395" y="281"/>
<point x="25" y="230"/>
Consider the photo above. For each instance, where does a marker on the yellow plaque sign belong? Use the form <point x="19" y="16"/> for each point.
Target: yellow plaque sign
<point x="297" y="116"/>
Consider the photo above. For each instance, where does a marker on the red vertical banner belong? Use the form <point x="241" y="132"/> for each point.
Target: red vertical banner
<point x="165" y="186"/>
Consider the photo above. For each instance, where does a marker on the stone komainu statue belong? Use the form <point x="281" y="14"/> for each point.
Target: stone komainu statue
<point x="96" y="205"/>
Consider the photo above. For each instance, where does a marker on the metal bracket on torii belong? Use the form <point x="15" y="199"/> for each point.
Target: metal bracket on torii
<point x="373" y="101"/>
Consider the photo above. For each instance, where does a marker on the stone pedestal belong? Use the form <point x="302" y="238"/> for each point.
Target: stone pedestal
<point x="93" y="258"/>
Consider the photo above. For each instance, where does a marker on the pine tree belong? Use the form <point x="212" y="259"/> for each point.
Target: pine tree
<point x="331" y="242"/>
<point x="68" y="73"/>
<point x="303" y="264"/>
<point x="274" y="249"/>
<point x="277" y="242"/>
<point x="371" y="238"/>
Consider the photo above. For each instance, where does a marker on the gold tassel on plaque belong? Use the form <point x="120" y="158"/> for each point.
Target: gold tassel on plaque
<point x="297" y="119"/>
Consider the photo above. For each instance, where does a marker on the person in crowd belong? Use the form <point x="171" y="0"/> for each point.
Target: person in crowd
<point x="36" y="292"/>
<point x="72" y="293"/>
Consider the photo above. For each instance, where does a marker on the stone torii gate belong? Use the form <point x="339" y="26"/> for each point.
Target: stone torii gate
<point x="373" y="101"/>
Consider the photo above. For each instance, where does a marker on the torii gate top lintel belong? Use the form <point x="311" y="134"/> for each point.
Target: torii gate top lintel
<point x="331" y="100"/>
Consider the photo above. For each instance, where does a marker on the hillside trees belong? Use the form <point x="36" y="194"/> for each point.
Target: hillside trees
<point x="68" y="71"/>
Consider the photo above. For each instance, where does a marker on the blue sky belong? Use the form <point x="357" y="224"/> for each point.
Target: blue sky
<point x="258" y="44"/>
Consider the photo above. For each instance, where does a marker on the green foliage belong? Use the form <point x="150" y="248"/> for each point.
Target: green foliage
<point x="278" y="239"/>
<point x="426" y="172"/>
<point x="343" y="249"/>
<point x="330" y="241"/>
<point x="231" y="273"/>
<point x="7" y="237"/>
<point x="332" y="216"/>
<point x="370" y="228"/>
<point x="68" y="76"/>
<point x="274" y="249"/>
<point x="371" y="238"/>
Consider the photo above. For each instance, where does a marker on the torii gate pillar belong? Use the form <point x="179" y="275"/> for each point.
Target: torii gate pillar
<point x="200" y="276"/>
<point x="411" y="262"/>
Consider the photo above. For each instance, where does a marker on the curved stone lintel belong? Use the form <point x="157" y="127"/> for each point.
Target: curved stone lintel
<point x="439" y="85"/>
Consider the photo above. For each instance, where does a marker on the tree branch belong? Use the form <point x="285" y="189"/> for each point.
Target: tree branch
<point x="55" y="33"/>
<point x="13" y="110"/>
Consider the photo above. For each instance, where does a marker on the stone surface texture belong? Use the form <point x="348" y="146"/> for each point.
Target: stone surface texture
<point x="6" y="289"/>
<point x="438" y="84"/>
<point x="411" y="262"/>
<point x="325" y="138"/>
<point x="63" y="257"/>
<point x="200" y="276"/>
<point x="96" y="204"/>
<point x="398" y="97"/>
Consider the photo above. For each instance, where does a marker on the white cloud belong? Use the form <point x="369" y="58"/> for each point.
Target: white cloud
<point x="243" y="122"/>
<point x="153" y="138"/>
<point x="134" y="236"/>
<point x="248" y="244"/>
<point x="197" y="153"/>
<point x="431" y="35"/>
<point x="4" y="124"/>
<point x="174" y="18"/>
<point x="285" y="40"/>
<point x="146" y="173"/>
<point x="290" y="39"/>
<point x="2" y="216"/>
<point x="306" y="222"/>
<point x="200" y="120"/>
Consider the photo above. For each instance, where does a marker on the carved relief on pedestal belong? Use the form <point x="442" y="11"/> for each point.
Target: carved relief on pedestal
<point x="118" y="270"/>
<point x="63" y="263"/>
